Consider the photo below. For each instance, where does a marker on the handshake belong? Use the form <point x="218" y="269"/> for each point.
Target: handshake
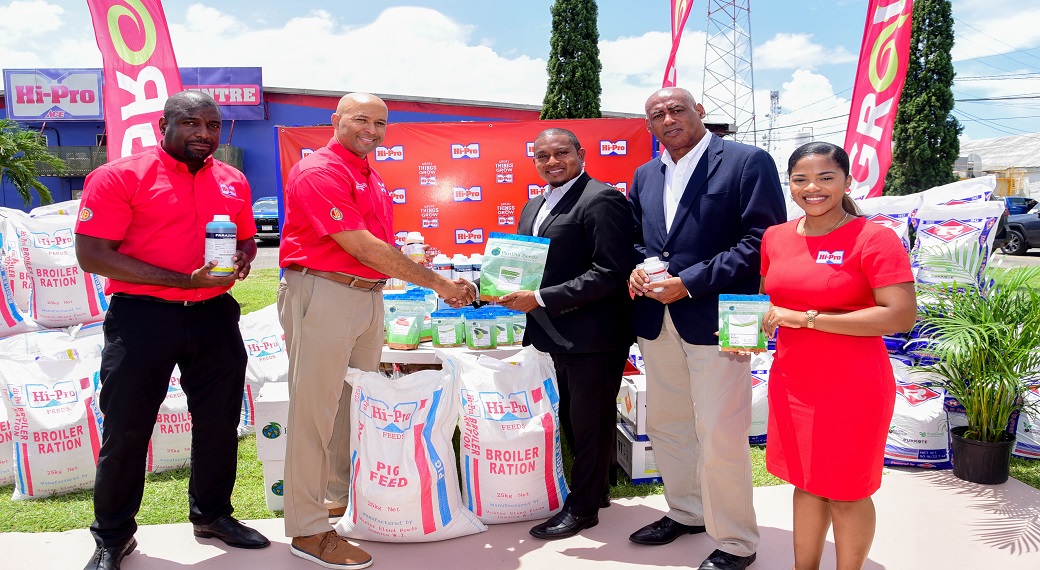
<point x="457" y="293"/>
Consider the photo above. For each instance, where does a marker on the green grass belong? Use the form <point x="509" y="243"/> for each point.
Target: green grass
<point x="166" y="496"/>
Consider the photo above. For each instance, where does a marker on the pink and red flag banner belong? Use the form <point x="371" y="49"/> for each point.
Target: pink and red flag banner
<point x="680" y="12"/>
<point x="880" y="76"/>
<point x="140" y="71"/>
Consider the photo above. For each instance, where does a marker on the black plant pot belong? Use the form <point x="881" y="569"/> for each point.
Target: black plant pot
<point x="981" y="461"/>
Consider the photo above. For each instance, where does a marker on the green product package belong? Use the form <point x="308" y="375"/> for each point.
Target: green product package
<point x="519" y="324"/>
<point x="480" y="330"/>
<point x="740" y="322"/>
<point x="449" y="329"/>
<point x="512" y="263"/>
<point x="403" y="317"/>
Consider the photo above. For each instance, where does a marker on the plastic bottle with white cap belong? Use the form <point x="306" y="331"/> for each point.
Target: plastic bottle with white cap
<point x="221" y="244"/>
<point x="476" y="261"/>
<point x="655" y="270"/>
<point x="442" y="265"/>
<point x="461" y="267"/>
<point x="413" y="247"/>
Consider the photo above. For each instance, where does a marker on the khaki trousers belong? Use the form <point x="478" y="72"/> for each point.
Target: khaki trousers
<point x="328" y="327"/>
<point x="698" y="409"/>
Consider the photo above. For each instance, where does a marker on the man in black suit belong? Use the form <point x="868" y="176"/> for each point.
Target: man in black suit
<point x="581" y="315"/>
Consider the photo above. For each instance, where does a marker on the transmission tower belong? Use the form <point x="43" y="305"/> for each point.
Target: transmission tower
<point x="729" y="87"/>
<point x="774" y="114"/>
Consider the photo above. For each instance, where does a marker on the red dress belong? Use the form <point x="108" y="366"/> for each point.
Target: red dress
<point x="830" y="395"/>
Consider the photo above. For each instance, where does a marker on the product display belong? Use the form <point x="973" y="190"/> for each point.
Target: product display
<point x="512" y="263"/>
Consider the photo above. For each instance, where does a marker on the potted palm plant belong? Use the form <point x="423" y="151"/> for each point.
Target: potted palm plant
<point x="985" y="333"/>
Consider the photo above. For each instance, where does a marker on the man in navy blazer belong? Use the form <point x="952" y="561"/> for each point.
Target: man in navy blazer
<point x="581" y="315"/>
<point x="702" y="206"/>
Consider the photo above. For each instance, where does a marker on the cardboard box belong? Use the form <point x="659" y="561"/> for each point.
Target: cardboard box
<point x="272" y="418"/>
<point x="274" y="484"/>
<point x="636" y="457"/>
<point x="631" y="403"/>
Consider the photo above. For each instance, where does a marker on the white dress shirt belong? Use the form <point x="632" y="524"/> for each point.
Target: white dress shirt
<point x="552" y="197"/>
<point x="677" y="176"/>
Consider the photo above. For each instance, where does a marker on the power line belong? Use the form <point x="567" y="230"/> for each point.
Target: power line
<point x="1002" y="77"/>
<point x="1013" y="48"/>
<point x="1000" y="98"/>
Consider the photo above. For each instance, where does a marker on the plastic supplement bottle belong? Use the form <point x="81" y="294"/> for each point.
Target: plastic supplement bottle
<point x="413" y="247"/>
<point x="442" y="265"/>
<point x="656" y="271"/>
<point x="221" y="244"/>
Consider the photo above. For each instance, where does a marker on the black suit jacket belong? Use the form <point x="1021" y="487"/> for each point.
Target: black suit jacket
<point x="733" y="195"/>
<point x="587" y="305"/>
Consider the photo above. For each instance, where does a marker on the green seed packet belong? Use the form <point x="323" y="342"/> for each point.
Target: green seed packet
<point x="480" y="330"/>
<point x="512" y="263"/>
<point x="740" y="322"/>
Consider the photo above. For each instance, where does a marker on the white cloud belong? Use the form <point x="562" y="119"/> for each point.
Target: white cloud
<point x="797" y="51"/>
<point x="1000" y="27"/>
<point x="810" y="107"/>
<point x="21" y="19"/>
<point x="633" y="68"/>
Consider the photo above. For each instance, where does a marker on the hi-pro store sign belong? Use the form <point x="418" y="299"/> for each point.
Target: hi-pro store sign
<point x="53" y="94"/>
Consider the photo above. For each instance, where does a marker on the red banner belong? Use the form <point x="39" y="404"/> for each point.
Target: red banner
<point x="458" y="182"/>
<point x="140" y="71"/>
<point x="875" y="99"/>
<point x="680" y="12"/>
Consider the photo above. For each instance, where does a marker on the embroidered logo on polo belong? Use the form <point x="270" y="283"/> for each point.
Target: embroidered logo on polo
<point x="228" y="190"/>
<point x="949" y="230"/>
<point x="384" y="153"/>
<point x="360" y="186"/>
<point x="830" y="257"/>
<point x="336" y="214"/>
<point x="85" y="214"/>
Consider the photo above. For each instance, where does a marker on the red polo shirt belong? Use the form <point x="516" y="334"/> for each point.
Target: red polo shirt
<point x="330" y="191"/>
<point x="158" y="211"/>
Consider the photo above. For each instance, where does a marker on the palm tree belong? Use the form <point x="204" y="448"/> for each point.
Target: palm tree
<point x="20" y="152"/>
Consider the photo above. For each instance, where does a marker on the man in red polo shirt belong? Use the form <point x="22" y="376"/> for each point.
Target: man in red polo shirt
<point x="337" y="253"/>
<point x="142" y="224"/>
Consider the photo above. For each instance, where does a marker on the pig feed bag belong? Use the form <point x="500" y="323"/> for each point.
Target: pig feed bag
<point x="511" y="462"/>
<point x="919" y="433"/>
<point x="62" y="293"/>
<point x="404" y="486"/>
<point x="56" y="424"/>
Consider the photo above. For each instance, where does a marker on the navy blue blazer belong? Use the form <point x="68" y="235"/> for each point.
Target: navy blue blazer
<point x="733" y="195"/>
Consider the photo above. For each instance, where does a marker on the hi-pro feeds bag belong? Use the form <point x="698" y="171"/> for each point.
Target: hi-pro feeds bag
<point x="56" y="424"/>
<point x="919" y="433"/>
<point x="761" y="363"/>
<point x="268" y="358"/>
<point x="15" y="284"/>
<point x="893" y="212"/>
<point x="953" y="231"/>
<point x="404" y="487"/>
<point x="170" y="446"/>
<point x="510" y="461"/>
<point x="6" y="447"/>
<point x="1027" y="432"/>
<point x="960" y="192"/>
<point x="512" y="263"/>
<point x="62" y="293"/>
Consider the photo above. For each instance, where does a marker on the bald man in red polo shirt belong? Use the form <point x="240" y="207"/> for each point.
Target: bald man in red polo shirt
<point x="142" y="224"/>
<point x="337" y="253"/>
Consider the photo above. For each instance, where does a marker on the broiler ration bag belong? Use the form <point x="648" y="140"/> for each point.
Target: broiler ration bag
<point x="404" y="487"/>
<point x="170" y="445"/>
<point x="6" y="449"/>
<point x="510" y="461"/>
<point x="919" y="435"/>
<point x="55" y="421"/>
<point x="15" y="283"/>
<point x="62" y="293"/>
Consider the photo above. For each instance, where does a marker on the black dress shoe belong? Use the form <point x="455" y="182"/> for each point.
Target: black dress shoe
<point x="110" y="558"/>
<point x="720" y="560"/>
<point x="232" y="532"/>
<point x="663" y="531"/>
<point x="564" y="524"/>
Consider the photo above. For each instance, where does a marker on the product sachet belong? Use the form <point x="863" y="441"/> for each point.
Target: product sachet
<point x="740" y="322"/>
<point x="511" y="263"/>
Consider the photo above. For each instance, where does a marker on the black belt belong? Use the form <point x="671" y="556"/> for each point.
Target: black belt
<point x="151" y="299"/>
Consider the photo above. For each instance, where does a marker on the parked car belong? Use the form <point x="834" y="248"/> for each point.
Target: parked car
<point x="265" y="214"/>
<point x="1023" y="232"/>
<point x="1019" y="204"/>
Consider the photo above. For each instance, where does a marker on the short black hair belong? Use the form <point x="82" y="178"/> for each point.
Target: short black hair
<point x="554" y="131"/>
<point x="180" y="102"/>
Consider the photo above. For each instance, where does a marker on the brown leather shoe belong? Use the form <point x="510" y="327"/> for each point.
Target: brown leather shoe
<point x="330" y="550"/>
<point x="337" y="512"/>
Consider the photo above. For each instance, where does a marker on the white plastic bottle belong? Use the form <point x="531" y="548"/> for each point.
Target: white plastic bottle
<point x="221" y="244"/>
<point x="413" y="247"/>
<point x="656" y="271"/>
<point x="461" y="267"/>
<point x="476" y="261"/>
<point x="442" y="265"/>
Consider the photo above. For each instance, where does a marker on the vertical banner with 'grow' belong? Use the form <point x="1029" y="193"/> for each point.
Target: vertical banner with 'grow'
<point x="140" y="71"/>
<point x="879" y="83"/>
<point x="680" y="12"/>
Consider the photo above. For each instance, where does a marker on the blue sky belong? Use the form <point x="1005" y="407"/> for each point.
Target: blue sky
<point x="488" y="50"/>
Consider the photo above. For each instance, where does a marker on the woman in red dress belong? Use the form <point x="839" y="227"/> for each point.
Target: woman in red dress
<point x="837" y="283"/>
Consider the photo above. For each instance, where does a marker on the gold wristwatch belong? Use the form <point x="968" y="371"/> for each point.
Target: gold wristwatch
<point x="810" y="318"/>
